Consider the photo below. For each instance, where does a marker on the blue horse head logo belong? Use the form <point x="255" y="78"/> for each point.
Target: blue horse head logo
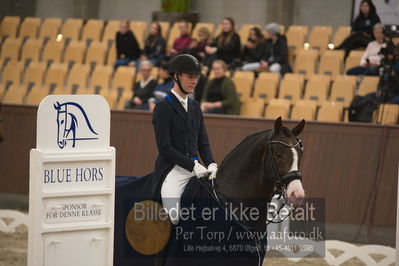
<point x="68" y="115"/>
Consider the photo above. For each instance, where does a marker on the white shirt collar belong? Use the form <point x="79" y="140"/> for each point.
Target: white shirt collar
<point x="181" y="99"/>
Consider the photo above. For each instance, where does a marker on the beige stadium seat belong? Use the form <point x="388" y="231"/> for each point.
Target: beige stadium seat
<point x="317" y="88"/>
<point x="319" y="37"/>
<point x="341" y="34"/>
<point x="305" y="62"/>
<point x="96" y="53"/>
<point x="13" y="95"/>
<point x="209" y="26"/>
<point x="330" y="65"/>
<point x="11" y="74"/>
<point x="243" y="81"/>
<point x="71" y="29"/>
<point x="369" y="84"/>
<point x="139" y="28"/>
<point x="266" y="86"/>
<point x="330" y="111"/>
<point x="165" y="28"/>
<point x="10" y="49"/>
<point x="31" y="50"/>
<point x="55" y="77"/>
<point x="277" y="107"/>
<point x="50" y="28"/>
<point x="34" y="75"/>
<point x="52" y="51"/>
<point x="304" y="109"/>
<point x="110" y="30"/>
<point x="291" y="89"/>
<point x="353" y="60"/>
<point x="77" y="78"/>
<point x="253" y="107"/>
<point x="111" y="55"/>
<point x="343" y="89"/>
<point x="123" y="79"/>
<point x="125" y="96"/>
<point x="387" y="114"/>
<point x="100" y="79"/>
<point x="74" y="52"/>
<point x="110" y="97"/>
<point x="36" y="95"/>
<point x="244" y="31"/>
<point x="9" y="26"/>
<point x="29" y="27"/>
<point x="295" y="39"/>
<point x="92" y="30"/>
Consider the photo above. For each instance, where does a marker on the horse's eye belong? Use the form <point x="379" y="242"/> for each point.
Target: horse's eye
<point x="277" y="154"/>
<point x="62" y="122"/>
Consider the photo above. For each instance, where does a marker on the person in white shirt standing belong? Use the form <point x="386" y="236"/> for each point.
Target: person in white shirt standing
<point x="370" y="61"/>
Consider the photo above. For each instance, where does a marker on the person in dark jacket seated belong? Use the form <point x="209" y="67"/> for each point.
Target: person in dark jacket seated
<point x="155" y="45"/>
<point x="362" y="28"/>
<point x="143" y="89"/>
<point x="220" y="95"/>
<point x="253" y="50"/>
<point x="127" y="47"/>
<point x="226" y="46"/>
<point x="163" y="88"/>
<point x="275" y="55"/>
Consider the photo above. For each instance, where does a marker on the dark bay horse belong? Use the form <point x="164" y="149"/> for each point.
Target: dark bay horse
<point x="262" y="165"/>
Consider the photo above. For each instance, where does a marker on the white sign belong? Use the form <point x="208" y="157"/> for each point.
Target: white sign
<point x="72" y="183"/>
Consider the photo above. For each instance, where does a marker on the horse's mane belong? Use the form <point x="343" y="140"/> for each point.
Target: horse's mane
<point x="246" y="142"/>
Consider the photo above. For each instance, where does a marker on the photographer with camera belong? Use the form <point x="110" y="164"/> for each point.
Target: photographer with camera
<point x="370" y="61"/>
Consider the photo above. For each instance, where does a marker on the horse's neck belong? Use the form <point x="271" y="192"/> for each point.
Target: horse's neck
<point x="241" y="174"/>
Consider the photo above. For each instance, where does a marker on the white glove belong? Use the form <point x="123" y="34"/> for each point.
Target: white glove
<point x="212" y="168"/>
<point x="199" y="170"/>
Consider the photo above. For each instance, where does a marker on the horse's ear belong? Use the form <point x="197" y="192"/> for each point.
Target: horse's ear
<point x="57" y="105"/>
<point x="278" y="124"/>
<point x="298" y="128"/>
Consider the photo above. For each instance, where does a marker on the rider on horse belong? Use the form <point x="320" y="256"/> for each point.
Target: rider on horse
<point x="180" y="135"/>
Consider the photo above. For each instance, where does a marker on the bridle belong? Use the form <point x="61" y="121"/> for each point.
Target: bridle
<point x="281" y="183"/>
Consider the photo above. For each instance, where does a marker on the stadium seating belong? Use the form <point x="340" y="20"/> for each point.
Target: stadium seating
<point x="243" y="81"/>
<point x="319" y="38"/>
<point x="96" y="53"/>
<point x="50" y="28"/>
<point x="304" y="109"/>
<point x="305" y="62"/>
<point x="10" y="50"/>
<point x="13" y="96"/>
<point x="343" y="89"/>
<point x="92" y="30"/>
<point x="71" y="29"/>
<point x="266" y="86"/>
<point x="291" y="88"/>
<point x="33" y="76"/>
<point x="198" y="26"/>
<point x="330" y="111"/>
<point x="31" y="50"/>
<point x="253" y="107"/>
<point x="35" y="96"/>
<point x="110" y="30"/>
<point x="341" y="34"/>
<point x="139" y="28"/>
<point x="9" y="26"/>
<point x="77" y="79"/>
<point x="11" y="75"/>
<point x="56" y="77"/>
<point x="369" y="84"/>
<point x="123" y="79"/>
<point x="276" y="108"/>
<point x="100" y="79"/>
<point x="317" y="88"/>
<point x="387" y="114"/>
<point x="353" y="59"/>
<point x="331" y="63"/>
<point x="29" y="27"/>
<point x="52" y="51"/>
<point x="74" y="52"/>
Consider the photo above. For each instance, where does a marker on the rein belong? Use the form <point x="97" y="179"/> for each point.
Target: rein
<point x="280" y="189"/>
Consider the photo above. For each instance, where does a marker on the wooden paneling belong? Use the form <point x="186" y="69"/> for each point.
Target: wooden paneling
<point x="353" y="166"/>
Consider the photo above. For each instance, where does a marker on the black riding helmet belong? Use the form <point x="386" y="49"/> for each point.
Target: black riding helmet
<point x="184" y="63"/>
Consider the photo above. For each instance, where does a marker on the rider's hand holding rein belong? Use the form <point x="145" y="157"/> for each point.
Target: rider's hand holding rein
<point x="212" y="168"/>
<point x="295" y="192"/>
<point x="199" y="170"/>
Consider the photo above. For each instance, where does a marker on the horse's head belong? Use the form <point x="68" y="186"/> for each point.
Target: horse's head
<point x="61" y="124"/>
<point x="286" y="149"/>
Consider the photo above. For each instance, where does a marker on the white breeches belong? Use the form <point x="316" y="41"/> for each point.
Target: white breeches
<point x="172" y="189"/>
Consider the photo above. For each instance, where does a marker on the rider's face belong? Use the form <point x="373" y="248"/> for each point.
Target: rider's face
<point x="188" y="81"/>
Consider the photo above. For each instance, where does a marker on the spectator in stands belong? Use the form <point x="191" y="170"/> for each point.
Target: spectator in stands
<point x="226" y="46"/>
<point x="362" y="28"/>
<point x="143" y="89"/>
<point x="127" y="47"/>
<point x="155" y="45"/>
<point x="370" y="61"/>
<point x="163" y="88"/>
<point x="197" y="47"/>
<point x="275" y="54"/>
<point x="253" y="50"/>
<point x="220" y="96"/>
<point x="182" y="42"/>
